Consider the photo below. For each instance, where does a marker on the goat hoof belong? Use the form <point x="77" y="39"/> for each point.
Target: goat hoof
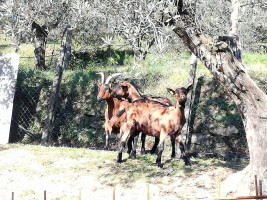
<point x="119" y="161"/>
<point x="152" y="152"/>
<point x="143" y="152"/>
<point x="160" y="165"/>
<point x="173" y="155"/>
<point x="132" y="155"/>
<point x="105" y="148"/>
<point x="187" y="162"/>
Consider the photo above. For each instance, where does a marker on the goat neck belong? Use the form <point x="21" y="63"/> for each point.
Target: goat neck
<point x="133" y="93"/>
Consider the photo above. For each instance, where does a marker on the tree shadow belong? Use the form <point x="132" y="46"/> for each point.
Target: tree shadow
<point x="99" y="56"/>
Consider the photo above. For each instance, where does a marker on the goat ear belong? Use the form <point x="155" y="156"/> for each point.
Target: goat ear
<point x="171" y="91"/>
<point x="190" y="87"/>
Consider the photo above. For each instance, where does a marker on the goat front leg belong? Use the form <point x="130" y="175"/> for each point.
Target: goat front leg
<point x="108" y="132"/>
<point x="160" y="148"/>
<point x="173" y="146"/>
<point x="126" y="133"/>
<point x="143" y="140"/>
<point x="182" y="149"/>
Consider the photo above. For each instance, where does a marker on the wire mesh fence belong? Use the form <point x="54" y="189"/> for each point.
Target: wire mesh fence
<point x="30" y="84"/>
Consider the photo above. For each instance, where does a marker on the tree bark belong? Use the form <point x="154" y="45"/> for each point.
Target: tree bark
<point x="40" y="40"/>
<point x="188" y="106"/>
<point x="53" y="101"/>
<point x="236" y="46"/>
<point x="251" y="102"/>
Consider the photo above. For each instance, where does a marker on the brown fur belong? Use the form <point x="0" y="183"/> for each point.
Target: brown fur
<point x="113" y="107"/>
<point x="155" y="119"/>
<point x="125" y="90"/>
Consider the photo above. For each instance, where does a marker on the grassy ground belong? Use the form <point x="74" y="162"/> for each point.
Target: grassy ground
<point x="63" y="172"/>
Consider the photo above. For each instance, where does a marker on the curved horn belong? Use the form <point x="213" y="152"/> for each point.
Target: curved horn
<point x="112" y="76"/>
<point x="102" y="77"/>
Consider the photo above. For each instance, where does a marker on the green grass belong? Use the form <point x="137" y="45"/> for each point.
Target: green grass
<point x="84" y="161"/>
<point x="255" y="58"/>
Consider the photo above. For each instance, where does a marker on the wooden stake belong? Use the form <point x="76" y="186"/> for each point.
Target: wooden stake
<point x="79" y="197"/>
<point x="147" y="195"/>
<point x="246" y="197"/>
<point x="186" y="192"/>
<point x="12" y="196"/>
<point x="260" y="186"/>
<point x="256" y="187"/>
<point x="114" y="192"/>
<point x="218" y="188"/>
<point x="45" y="195"/>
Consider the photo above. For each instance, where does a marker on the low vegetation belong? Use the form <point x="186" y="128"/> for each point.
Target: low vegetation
<point x="79" y="120"/>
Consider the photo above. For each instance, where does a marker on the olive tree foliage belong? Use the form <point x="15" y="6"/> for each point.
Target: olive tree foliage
<point x="20" y="14"/>
<point x="85" y="17"/>
<point x="89" y="22"/>
<point x="213" y="17"/>
<point x="139" y="24"/>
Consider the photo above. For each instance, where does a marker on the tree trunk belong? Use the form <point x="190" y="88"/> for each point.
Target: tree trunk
<point x="40" y="40"/>
<point x="249" y="99"/>
<point x="235" y="44"/>
<point x="53" y="101"/>
<point x="188" y="106"/>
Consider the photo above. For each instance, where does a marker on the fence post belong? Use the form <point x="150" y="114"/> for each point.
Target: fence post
<point x="113" y="192"/>
<point x="53" y="100"/>
<point x="12" y="196"/>
<point x="148" y="193"/>
<point x="218" y="188"/>
<point x="45" y="195"/>
<point x="260" y="186"/>
<point x="256" y="187"/>
<point x="79" y="197"/>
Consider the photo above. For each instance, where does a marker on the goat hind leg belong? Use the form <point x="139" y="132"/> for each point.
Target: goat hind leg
<point x="133" y="151"/>
<point x="153" y="150"/>
<point x="160" y="149"/>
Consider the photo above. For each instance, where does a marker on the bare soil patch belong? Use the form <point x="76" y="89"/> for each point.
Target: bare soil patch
<point x="65" y="172"/>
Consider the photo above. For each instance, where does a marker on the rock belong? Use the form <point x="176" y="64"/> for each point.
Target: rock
<point x="224" y="131"/>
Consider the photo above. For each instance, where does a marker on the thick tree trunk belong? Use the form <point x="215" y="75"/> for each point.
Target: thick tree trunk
<point x="188" y="106"/>
<point x="53" y="101"/>
<point x="249" y="99"/>
<point x="40" y="40"/>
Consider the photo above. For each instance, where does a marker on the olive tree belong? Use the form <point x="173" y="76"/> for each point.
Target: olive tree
<point x="251" y="101"/>
<point x="34" y="19"/>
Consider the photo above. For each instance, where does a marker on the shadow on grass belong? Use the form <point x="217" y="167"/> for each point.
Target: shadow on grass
<point x="144" y="169"/>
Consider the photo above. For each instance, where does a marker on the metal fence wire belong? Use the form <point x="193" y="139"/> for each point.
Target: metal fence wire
<point x="77" y="121"/>
<point x="27" y="97"/>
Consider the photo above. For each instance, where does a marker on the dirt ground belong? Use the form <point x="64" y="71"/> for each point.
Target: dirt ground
<point x="67" y="173"/>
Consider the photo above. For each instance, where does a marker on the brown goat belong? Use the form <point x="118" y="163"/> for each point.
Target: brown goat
<point x="125" y="90"/>
<point x="158" y="120"/>
<point x="113" y="108"/>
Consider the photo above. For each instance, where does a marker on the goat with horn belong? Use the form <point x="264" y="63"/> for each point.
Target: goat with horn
<point x="113" y="108"/>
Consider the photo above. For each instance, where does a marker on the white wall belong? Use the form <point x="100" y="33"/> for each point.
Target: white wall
<point x="8" y="76"/>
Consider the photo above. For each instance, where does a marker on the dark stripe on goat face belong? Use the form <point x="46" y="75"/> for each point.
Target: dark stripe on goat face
<point x="181" y="95"/>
